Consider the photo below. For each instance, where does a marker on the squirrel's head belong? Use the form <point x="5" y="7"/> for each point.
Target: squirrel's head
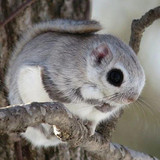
<point x="115" y="72"/>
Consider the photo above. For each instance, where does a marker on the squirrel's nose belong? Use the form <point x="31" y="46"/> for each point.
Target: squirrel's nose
<point x="131" y="99"/>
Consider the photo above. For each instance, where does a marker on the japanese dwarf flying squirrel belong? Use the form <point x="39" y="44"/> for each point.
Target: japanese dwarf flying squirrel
<point x="93" y="75"/>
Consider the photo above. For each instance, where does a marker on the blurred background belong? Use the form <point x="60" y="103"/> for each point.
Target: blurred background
<point x="139" y="127"/>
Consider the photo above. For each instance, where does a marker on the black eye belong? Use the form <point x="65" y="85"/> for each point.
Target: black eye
<point x="115" y="77"/>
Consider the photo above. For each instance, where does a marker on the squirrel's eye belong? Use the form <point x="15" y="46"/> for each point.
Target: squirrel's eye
<point x="115" y="77"/>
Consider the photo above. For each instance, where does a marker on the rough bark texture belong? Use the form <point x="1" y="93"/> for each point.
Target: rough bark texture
<point x="70" y="129"/>
<point x="139" y="25"/>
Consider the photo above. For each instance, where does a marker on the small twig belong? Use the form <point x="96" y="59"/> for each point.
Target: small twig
<point x="139" y="25"/>
<point x="16" y="12"/>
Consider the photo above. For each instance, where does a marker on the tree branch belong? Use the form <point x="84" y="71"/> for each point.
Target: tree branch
<point x="16" y="12"/>
<point x="139" y="25"/>
<point x="71" y="129"/>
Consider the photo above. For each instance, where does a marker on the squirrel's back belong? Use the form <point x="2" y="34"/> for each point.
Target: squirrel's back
<point x="57" y="26"/>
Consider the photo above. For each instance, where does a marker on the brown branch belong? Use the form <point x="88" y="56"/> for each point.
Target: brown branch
<point x="16" y="12"/>
<point x="18" y="150"/>
<point x="72" y="130"/>
<point x="139" y="25"/>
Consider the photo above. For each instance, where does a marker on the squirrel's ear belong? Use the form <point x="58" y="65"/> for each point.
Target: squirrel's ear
<point x="100" y="53"/>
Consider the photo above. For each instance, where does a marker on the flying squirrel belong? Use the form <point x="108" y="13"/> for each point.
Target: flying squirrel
<point x="93" y="75"/>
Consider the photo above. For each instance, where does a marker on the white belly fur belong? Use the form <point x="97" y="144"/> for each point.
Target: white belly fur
<point x="30" y="85"/>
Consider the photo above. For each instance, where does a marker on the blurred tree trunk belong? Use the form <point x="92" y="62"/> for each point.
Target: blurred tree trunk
<point x="39" y="10"/>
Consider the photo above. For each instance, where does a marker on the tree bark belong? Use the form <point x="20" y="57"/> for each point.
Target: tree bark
<point x="139" y="25"/>
<point x="70" y="129"/>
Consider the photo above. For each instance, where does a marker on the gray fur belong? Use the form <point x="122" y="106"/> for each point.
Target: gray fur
<point x="66" y="60"/>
